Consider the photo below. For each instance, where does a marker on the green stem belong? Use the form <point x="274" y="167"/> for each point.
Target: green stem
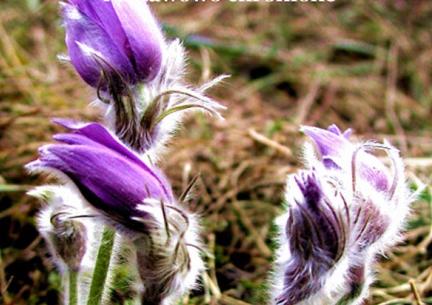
<point x="101" y="267"/>
<point x="73" y="287"/>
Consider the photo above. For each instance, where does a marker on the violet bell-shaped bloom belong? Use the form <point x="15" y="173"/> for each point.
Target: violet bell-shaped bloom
<point x="111" y="178"/>
<point x="113" y="40"/>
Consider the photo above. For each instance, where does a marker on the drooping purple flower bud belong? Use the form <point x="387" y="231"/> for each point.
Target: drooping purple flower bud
<point x="112" y="178"/>
<point x="114" y="40"/>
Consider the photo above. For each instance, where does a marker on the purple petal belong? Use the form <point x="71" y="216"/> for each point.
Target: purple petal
<point x="314" y="225"/>
<point x="328" y="143"/>
<point x="111" y="183"/>
<point x="335" y="150"/>
<point x="301" y="280"/>
<point x="334" y="129"/>
<point x="76" y="139"/>
<point x="347" y="133"/>
<point x="99" y="134"/>
<point x="91" y="49"/>
<point x="372" y="170"/>
<point x="111" y="177"/>
<point x="331" y="163"/>
<point x="102" y="13"/>
<point x="144" y="36"/>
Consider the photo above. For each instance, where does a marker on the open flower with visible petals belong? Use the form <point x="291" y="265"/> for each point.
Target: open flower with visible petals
<point x="342" y="212"/>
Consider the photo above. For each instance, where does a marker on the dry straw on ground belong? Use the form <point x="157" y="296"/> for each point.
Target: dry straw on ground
<point x="363" y="64"/>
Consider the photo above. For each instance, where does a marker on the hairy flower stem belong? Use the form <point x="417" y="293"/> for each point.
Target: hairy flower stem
<point x="101" y="269"/>
<point x="73" y="287"/>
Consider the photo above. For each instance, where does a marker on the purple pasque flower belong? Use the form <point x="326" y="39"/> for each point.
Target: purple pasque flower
<point x="326" y="243"/>
<point x="315" y="236"/>
<point x="111" y="177"/>
<point x="342" y="212"/>
<point x="113" y="41"/>
<point x="365" y="181"/>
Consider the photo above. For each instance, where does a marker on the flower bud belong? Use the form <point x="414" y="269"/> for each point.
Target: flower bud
<point x="133" y="197"/>
<point x="116" y="40"/>
<point x="111" y="178"/>
<point x="336" y="151"/>
<point x="118" y="48"/>
<point x="377" y="192"/>
<point x="315" y="232"/>
<point x="69" y="239"/>
<point x="168" y="258"/>
<point x="343" y="211"/>
<point x="66" y="236"/>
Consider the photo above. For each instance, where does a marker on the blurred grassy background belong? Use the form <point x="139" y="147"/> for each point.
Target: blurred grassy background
<point x="361" y="64"/>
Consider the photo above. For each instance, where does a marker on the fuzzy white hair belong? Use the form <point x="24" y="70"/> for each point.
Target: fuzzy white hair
<point x="170" y="254"/>
<point x="393" y="204"/>
<point x="175" y="97"/>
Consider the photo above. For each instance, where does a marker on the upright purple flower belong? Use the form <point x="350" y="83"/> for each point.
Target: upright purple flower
<point x="113" y="41"/>
<point x="346" y="208"/>
<point x="112" y="179"/>
<point x="316" y="237"/>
